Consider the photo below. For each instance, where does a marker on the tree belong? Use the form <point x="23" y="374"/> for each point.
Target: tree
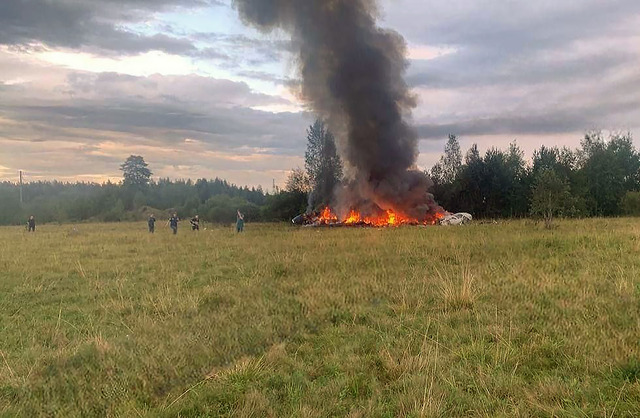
<point x="445" y="173"/>
<point x="322" y="163"/>
<point x="284" y="206"/>
<point x="436" y="173"/>
<point x="447" y="169"/>
<point x="562" y="161"/>
<point x="139" y="200"/>
<point x="135" y="171"/>
<point x="470" y="185"/>
<point x="627" y="160"/>
<point x="517" y="195"/>
<point x="550" y="196"/>
<point x="609" y="169"/>
<point x="298" y="181"/>
<point x="496" y="184"/>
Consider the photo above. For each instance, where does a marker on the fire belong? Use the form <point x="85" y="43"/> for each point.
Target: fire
<point x="327" y="216"/>
<point x="391" y="217"/>
<point x="387" y="218"/>
<point x="352" y="218"/>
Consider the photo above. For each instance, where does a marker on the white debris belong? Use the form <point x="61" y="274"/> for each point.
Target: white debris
<point x="460" y="218"/>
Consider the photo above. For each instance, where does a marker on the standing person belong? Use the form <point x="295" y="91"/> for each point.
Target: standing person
<point x="152" y="223"/>
<point x="31" y="223"/>
<point x="240" y="222"/>
<point x="173" y="223"/>
<point x="195" y="223"/>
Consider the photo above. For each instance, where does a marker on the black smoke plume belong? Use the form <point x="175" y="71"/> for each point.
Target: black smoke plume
<point x="352" y="76"/>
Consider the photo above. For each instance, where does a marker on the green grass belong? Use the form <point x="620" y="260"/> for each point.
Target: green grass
<point x="480" y="320"/>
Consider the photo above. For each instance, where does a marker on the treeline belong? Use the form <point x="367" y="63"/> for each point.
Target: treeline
<point x="600" y="178"/>
<point x="214" y="200"/>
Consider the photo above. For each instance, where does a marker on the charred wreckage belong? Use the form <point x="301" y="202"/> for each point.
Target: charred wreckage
<point x="326" y="218"/>
<point x="352" y="77"/>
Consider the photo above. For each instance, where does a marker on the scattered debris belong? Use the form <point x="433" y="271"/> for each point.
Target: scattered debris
<point x="460" y="218"/>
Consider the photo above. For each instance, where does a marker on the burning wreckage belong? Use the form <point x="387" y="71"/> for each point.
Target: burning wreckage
<point x="327" y="218"/>
<point x="351" y="75"/>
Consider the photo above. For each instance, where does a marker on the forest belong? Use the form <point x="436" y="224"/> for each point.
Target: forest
<point x="600" y="178"/>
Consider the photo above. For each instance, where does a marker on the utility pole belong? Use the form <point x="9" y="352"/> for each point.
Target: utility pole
<point x="20" y="187"/>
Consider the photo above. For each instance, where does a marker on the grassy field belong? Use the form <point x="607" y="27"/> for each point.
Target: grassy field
<point x="482" y="320"/>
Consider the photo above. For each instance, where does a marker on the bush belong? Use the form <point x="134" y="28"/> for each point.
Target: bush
<point x="550" y="196"/>
<point x="631" y="204"/>
<point x="223" y="209"/>
<point x="116" y="214"/>
<point x="284" y="206"/>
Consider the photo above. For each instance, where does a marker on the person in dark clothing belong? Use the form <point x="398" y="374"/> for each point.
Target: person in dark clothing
<point x="195" y="223"/>
<point x="173" y="223"/>
<point x="240" y="222"/>
<point x="31" y="223"/>
<point x="152" y="223"/>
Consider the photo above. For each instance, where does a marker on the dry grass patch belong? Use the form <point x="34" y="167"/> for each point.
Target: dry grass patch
<point x="457" y="288"/>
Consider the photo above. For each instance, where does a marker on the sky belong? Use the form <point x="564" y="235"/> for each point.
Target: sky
<point x="184" y="83"/>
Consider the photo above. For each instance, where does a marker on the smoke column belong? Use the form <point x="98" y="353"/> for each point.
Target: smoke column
<point x="352" y="76"/>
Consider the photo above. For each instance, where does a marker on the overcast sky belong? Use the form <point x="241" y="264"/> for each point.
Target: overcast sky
<point x="86" y="83"/>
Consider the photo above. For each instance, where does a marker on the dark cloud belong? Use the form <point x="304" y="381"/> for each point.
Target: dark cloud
<point x="91" y="25"/>
<point x="523" y="68"/>
<point x="211" y="53"/>
<point x="544" y="124"/>
<point x="461" y="70"/>
<point x="600" y="114"/>
<point x="512" y="26"/>
<point x="161" y="109"/>
<point x="225" y="129"/>
<point x="85" y="126"/>
<point x="516" y="43"/>
<point x="191" y="89"/>
<point x="105" y="27"/>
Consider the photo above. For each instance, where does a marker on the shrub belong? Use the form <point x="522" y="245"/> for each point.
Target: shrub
<point x="631" y="204"/>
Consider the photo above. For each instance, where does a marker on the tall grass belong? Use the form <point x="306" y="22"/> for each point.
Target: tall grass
<point x="457" y="289"/>
<point x="480" y="320"/>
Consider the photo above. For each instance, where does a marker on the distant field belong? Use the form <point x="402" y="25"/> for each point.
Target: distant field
<point x="480" y="320"/>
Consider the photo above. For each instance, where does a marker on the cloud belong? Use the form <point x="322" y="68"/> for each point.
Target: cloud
<point x="126" y="27"/>
<point x="464" y="70"/>
<point x="245" y="56"/>
<point x="265" y="76"/>
<point x="74" y="122"/>
<point x="511" y="26"/>
<point x="518" y="68"/>
<point x="78" y="88"/>
<point x="90" y="25"/>
<point x="166" y="124"/>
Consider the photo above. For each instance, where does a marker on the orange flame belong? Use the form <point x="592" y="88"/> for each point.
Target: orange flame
<point x="388" y="218"/>
<point x="326" y="216"/>
<point x="391" y="217"/>
<point x="352" y="218"/>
